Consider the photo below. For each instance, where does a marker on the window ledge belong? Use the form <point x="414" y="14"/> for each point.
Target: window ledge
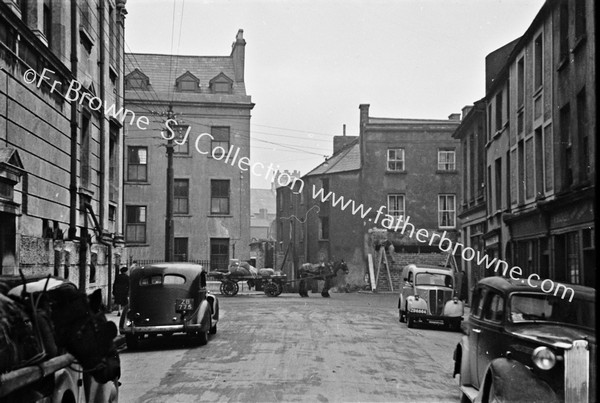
<point x="497" y="134"/>
<point x="216" y="215"/>
<point x="579" y="42"/>
<point x="135" y="244"/>
<point x="181" y="155"/>
<point x="182" y="215"/>
<point x="403" y="172"/>
<point x="440" y="227"/>
<point x="446" y="171"/>
<point x="141" y="183"/>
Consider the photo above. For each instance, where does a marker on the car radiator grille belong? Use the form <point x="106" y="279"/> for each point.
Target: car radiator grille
<point x="437" y="300"/>
<point x="578" y="373"/>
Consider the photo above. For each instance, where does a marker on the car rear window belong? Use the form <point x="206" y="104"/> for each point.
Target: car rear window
<point x="149" y="280"/>
<point x="173" y="279"/>
<point x="159" y="279"/>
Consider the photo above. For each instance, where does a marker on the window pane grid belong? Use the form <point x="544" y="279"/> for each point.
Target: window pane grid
<point x="446" y="211"/>
<point x="395" y="159"/>
<point x="446" y="160"/>
<point x="396" y="205"/>
<point x="219" y="197"/>
<point x="137" y="162"/>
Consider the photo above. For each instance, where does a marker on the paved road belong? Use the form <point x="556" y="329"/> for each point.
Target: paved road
<point x="347" y="348"/>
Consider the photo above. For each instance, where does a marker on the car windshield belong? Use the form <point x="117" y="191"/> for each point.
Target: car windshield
<point x="443" y="280"/>
<point x="541" y="307"/>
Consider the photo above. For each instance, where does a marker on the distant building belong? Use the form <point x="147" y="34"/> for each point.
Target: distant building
<point x="541" y="146"/>
<point x="262" y="218"/>
<point x="60" y="149"/>
<point x="212" y="194"/>
<point x="407" y="169"/>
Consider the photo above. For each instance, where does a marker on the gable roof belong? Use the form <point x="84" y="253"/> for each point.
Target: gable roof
<point x="346" y="159"/>
<point x="185" y="75"/>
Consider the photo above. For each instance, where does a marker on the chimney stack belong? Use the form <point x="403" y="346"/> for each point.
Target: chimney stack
<point x="238" y="54"/>
<point x="344" y="129"/>
<point x="454" y="116"/>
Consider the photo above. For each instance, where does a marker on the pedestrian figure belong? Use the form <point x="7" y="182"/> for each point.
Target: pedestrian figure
<point x="121" y="289"/>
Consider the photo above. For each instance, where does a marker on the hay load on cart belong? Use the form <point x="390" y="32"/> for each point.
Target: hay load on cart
<point x="271" y="281"/>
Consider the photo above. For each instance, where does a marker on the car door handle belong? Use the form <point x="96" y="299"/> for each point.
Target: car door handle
<point x="477" y="330"/>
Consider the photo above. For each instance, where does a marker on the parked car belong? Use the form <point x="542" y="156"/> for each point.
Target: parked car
<point x="428" y="293"/>
<point x="521" y="344"/>
<point x="168" y="298"/>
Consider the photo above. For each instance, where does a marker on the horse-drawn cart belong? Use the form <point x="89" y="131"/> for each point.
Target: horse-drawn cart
<point x="272" y="284"/>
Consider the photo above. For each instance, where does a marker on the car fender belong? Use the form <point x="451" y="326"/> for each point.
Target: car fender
<point x="412" y="302"/>
<point x="66" y="384"/>
<point x="214" y="303"/>
<point x="203" y="316"/>
<point x="461" y="361"/>
<point x="454" y="308"/>
<point x="513" y="381"/>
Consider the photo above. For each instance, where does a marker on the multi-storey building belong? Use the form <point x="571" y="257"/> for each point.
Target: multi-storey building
<point x="202" y="101"/>
<point x="540" y="151"/>
<point x="396" y="170"/>
<point x="472" y="213"/>
<point x="61" y="146"/>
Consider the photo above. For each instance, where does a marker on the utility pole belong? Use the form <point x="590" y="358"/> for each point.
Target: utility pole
<point x="169" y="230"/>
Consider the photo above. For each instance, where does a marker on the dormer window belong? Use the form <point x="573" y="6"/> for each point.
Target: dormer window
<point x="221" y="84"/>
<point x="136" y="80"/>
<point x="187" y="82"/>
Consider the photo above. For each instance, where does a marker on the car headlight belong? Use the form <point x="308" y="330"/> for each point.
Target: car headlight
<point x="544" y="358"/>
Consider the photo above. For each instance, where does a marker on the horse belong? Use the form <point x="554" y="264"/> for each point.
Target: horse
<point x="46" y="318"/>
<point x="322" y="271"/>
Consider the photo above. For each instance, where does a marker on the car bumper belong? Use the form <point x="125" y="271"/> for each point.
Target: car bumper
<point x="191" y="328"/>
<point x="421" y="315"/>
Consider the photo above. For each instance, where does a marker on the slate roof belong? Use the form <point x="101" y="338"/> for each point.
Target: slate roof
<point x="163" y="71"/>
<point x="346" y="159"/>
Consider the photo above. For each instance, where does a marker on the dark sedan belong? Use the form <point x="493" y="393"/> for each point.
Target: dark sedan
<point x="168" y="298"/>
<point x="522" y="344"/>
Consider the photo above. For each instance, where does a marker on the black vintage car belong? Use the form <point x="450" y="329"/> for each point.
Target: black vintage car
<point x="168" y="298"/>
<point x="521" y="344"/>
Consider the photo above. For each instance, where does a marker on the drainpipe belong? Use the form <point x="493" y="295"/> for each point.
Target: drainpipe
<point x="74" y="130"/>
<point x="102" y="173"/>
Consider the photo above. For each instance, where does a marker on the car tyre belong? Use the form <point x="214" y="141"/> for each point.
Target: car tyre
<point x="132" y="341"/>
<point x="402" y="317"/>
<point x="410" y="321"/>
<point x="203" y="337"/>
<point x="213" y="329"/>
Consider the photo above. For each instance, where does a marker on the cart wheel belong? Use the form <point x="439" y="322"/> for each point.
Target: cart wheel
<point x="271" y="289"/>
<point x="229" y="288"/>
<point x="279" y="289"/>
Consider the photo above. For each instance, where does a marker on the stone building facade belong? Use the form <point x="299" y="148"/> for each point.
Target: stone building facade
<point x="61" y="147"/>
<point x="472" y="211"/>
<point x="201" y="101"/>
<point x="401" y="173"/>
<point x="541" y="146"/>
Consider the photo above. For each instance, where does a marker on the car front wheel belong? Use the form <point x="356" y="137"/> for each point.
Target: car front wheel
<point x="410" y="321"/>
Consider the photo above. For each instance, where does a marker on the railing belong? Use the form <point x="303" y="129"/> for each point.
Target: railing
<point x="204" y="262"/>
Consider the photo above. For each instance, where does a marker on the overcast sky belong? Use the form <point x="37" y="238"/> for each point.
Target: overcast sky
<point x="310" y="63"/>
